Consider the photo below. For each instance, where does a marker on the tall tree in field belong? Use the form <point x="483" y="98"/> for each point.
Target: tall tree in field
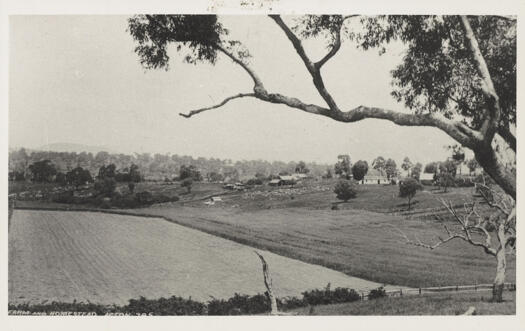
<point x="359" y="170"/>
<point x="472" y="165"/>
<point x="301" y="168"/>
<point x="379" y="164"/>
<point x="42" y="171"/>
<point x="416" y="170"/>
<point x="408" y="189"/>
<point x="390" y="168"/>
<point x="458" y="73"/>
<point x="343" y="167"/>
<point x="407" y="165"/>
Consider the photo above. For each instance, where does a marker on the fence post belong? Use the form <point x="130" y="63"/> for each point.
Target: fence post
<point x="420" y="291"/>
<point x="400" y="292"/>
<point x="475" y="286"/>
<point x="457" y="287"/>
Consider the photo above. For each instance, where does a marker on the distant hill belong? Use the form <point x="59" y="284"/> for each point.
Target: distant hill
<point x="67" y="147"/>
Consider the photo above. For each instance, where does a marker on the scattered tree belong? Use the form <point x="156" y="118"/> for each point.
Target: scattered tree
<point x="187" y="183"/>
<point x="432" y="168"/>
<point x="379" y="164"/>
<point x="407" y="165"/>
<point x="105" y="186"/>
<point x="301" y="168"/>
<point x="42" y="171"/>
<point x="408" y="189"/>
<point x="190" y="172"/>
<point x="391" y="168"/>
<point x="345" y="190"/>
<point x="343" y="166"/>
<point x="472" y="165"/>
<point x="131" y="187"/>
<point x="78" y="176"/>
<point x="416" y="170"/>
<point x="359" y="170"/>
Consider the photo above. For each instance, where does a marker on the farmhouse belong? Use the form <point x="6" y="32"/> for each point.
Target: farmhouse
<point x="426" y="178"/>
<point x="283" y="180"/>
<point x="373" y="176"/>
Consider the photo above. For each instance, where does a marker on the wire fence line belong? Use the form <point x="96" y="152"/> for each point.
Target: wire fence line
<point x="437" y="289"/>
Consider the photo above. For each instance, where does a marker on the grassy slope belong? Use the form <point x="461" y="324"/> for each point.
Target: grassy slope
<point x="358" y="243"/>
<point x="435" y="304"/>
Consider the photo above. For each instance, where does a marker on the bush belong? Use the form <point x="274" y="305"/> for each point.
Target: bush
<point x="144" y="198"/>
<point x="240" y="305"/>
<point x="377" y="293"/>
<point x="106" y="186"/>
<point x="64" y="197"/>
<point x="165" y="307"/>
<point x="408" y="189"/>
<point x="327" y="296"/>
<point x="463" y="182"/>
<point x="345" y="190"/>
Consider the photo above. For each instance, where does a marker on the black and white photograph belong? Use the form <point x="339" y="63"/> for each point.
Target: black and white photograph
<point x="261" y="163"/>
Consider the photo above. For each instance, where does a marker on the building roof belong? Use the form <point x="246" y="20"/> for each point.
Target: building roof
<point x="287" y="177"/>
<point x="374" y="173"/>
<point x="426" y="176"/>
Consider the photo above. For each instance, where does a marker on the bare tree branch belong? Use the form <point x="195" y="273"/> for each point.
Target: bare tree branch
<point x="237" y="96"/>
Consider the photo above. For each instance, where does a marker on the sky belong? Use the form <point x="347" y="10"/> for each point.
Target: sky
<point x="76" y="79"/>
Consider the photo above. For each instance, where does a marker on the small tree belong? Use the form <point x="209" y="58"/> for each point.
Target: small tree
<point x="379" y="164"/>
<point x="42" y="171"/>
<point x="390" y="168"/>
<point x="359" y="170"/>
<point x="408" y="189"/>
<point x="343" y="166"/>
<point x="345" y="190"/>
<point x="416" y="171"/>
<point x="301" y="168"/>
<point x="472" y="165"/>
<point x="131" y="187"/>
<point x="106" y="186"/>
<point x="407" y="165"/>
<point x="187" y="183"/>
<point x="447" y="174"/>
<point x="78" y="176"/>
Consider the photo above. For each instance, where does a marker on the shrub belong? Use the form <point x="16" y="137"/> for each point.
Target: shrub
<point x="144" y="197"/>
<point x="240" y="305"/>
<point x="345" y="190"/>
<point x="64" y="197"/>
<point x="106" y="186"/>
<point x="165" y="307"/>
<point x="377" y="293"/>
<point x="327" y="296"/>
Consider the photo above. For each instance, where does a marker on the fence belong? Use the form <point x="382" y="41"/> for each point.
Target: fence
<point x="457" y="288"/>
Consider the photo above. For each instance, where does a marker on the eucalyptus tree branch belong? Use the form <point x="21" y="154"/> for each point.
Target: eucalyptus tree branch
<point x="312" y="68"/>
<point x="237" y="96"/>
<point x="493" y="112"/>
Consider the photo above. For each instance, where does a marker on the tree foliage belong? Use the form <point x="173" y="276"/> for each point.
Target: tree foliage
<point x="345" y="190"/>
<point x="408" y="189"/>
<point x="343" y="167"/>
<point x="359" y="170"/>
<point x="458" y="73"/>
<point x="42" y="171"/>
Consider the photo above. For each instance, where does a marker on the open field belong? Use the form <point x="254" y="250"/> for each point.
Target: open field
<point x="109" y="259"/>
<point x="356" y="242"/>
<point x="431" y="304"/>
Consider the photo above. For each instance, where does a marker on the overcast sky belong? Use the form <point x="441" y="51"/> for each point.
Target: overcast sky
<point x="76" y="79"/>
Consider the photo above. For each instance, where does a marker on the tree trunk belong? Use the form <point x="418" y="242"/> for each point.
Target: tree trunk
<point x="491" y="163"/>
<point x="499" y="281"/>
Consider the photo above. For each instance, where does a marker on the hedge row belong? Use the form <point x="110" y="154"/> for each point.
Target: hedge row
<point x="236" y="305"/>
